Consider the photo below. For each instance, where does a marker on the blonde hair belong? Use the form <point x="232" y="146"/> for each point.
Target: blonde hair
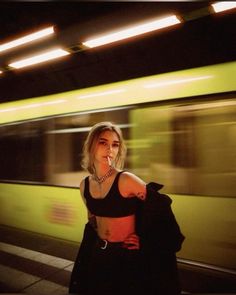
<point x="90" y="145"/>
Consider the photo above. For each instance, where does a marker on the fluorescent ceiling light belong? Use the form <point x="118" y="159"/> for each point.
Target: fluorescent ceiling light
<point x="133" y="31"/>
<point x="27" y="39"/>
<point x="222" y="6"/>
<point x="39" y="58"/>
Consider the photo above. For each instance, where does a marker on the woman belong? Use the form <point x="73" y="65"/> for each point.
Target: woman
<point x="130" y="241"/>
<point x="110" y="195"/>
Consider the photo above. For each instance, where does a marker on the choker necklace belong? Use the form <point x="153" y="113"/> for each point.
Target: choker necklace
<point x="104" y="177"/>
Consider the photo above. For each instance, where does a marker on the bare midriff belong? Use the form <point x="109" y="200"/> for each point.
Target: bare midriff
<point x="115" y="229"/>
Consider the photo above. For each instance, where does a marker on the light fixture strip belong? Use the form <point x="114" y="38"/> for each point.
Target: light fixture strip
<point x="27" y="39"/>
<point x="133" y="31"/>
<point x="39" y="58"/>
<point x="223" y="6"/>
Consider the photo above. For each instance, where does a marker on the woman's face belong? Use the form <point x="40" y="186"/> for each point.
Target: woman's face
<point x="108" y="145"/>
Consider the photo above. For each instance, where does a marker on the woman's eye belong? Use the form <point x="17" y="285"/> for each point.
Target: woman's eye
<point x="103" y="143"/>
<point x="115" y="145"/>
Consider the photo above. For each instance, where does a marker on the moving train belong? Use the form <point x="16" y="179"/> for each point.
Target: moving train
<point x="180" y="130"/>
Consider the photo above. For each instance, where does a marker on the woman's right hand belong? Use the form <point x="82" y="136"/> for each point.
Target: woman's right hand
<point x="132" y="242"/>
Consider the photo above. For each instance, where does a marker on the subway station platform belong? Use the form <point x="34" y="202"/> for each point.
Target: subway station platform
<point x="32" y="263"/>
<point x="37" y="264"/>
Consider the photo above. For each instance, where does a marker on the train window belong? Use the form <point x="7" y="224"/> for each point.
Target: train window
<point x="191" y="148"/>
<point x="184" y="152"/>
<point x="21" y="152"/>
<point x="50" y="151"/>
<point x="156" y="147"/>
<point x="216" y="149"/>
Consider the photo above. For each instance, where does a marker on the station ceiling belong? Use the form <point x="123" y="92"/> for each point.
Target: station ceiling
<point x="202" y="39"/>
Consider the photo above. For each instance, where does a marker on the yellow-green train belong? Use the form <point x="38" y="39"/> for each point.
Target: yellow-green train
<point x="180" y="130"/>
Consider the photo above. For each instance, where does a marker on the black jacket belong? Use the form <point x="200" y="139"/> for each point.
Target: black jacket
<point x="160" y="239"/>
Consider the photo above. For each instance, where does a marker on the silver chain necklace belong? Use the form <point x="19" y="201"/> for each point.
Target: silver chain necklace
<point x="104" y="177"/>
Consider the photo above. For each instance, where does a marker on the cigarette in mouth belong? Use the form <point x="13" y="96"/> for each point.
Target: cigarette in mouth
<point x="109" y="161"/>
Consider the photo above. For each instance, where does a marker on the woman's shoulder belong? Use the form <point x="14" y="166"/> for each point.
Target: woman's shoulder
<point x="131" y="177"/>
<point x="131" y="184"/>
<point x="82" y="184"/>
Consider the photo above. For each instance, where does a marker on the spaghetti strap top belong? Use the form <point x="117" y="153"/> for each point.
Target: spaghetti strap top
<point x="113" y="204"/>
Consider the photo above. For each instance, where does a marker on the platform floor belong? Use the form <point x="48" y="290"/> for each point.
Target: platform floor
<point x="32" y="263"/>
<point x="37" y="264"/>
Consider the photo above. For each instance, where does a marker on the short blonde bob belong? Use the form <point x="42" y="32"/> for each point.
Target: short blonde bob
<point x="90" y="145"/>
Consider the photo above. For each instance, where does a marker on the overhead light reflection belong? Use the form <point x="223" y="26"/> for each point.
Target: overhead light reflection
<point x="101" y="93"/>
<point x="83" y="129"/>
<point x="133" y="31"/>
<point x="207" y="106"/>
<point x="172" y="82"/>
<point x="27" y="39"/>
<point x="39" y="58"/>
<point x="33" y="105"/>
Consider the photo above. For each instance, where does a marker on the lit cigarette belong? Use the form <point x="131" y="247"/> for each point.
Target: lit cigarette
<point x="109" y="161"/>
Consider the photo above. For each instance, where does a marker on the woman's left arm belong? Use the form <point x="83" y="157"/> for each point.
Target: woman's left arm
<point x="133" y="186"/>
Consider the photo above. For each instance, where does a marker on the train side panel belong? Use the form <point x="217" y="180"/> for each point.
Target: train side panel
<point x="208" y="224"/>
<point x="49" y="210"/>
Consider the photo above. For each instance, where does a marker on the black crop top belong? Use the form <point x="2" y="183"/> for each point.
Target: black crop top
<point x="113" y="204"/>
